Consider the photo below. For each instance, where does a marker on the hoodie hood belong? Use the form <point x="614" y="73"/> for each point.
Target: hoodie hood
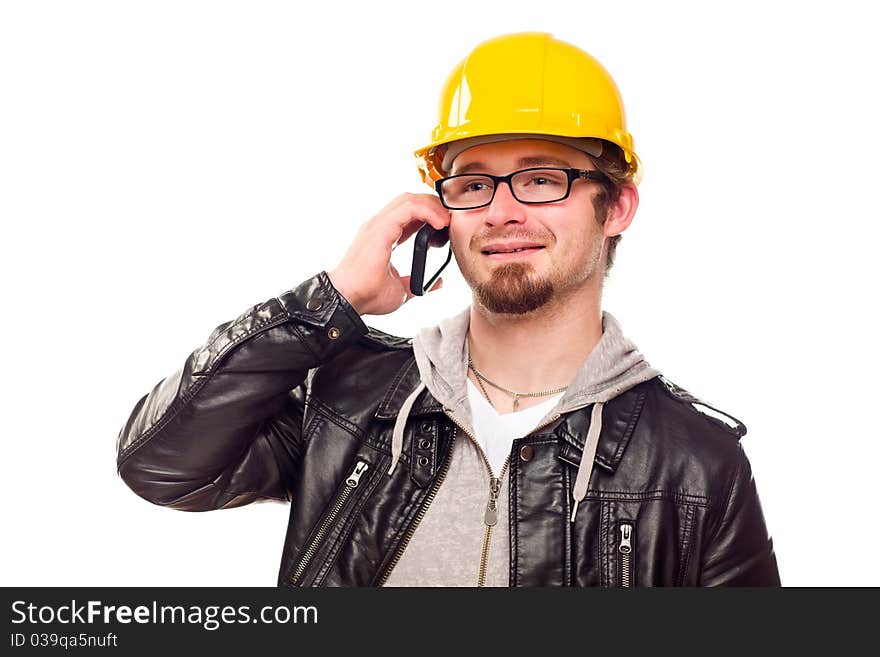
<point x="441" y="352"/>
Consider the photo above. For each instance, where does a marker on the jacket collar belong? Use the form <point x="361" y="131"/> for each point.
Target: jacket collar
<point x="618" y="419"/>
<point x="403" y="383"/>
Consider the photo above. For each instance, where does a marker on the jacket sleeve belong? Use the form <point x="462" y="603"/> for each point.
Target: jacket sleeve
<point x="740" y="552"/>
<point x="226" y="429"/>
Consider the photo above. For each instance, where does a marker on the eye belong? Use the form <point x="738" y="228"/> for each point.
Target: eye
<point x="475" y="186"/>
<point x="542" y="181"/>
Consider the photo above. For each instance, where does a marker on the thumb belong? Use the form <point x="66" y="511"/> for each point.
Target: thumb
<point x="404" y="281"/>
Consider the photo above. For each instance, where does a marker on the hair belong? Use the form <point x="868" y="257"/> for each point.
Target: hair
<point x="614" y="165"/>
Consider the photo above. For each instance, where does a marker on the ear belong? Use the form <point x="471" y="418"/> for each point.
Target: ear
<point x="622" y="211"/>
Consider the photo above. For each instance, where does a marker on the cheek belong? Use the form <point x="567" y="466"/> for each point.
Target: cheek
<point x="575" y="237"/>
<point x="459" y="235"/>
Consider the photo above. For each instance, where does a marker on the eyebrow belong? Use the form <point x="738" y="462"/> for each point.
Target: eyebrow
<point x="522" y="162"/>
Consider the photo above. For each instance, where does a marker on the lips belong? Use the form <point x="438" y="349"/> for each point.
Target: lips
<point x="510" y="247"/>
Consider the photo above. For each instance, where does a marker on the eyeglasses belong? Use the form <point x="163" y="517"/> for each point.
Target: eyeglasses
<point x="468" y="191"/>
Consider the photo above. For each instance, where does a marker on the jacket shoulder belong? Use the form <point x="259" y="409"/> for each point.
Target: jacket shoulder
<point x="693" y="405"/>
<point x="682" y="443"/>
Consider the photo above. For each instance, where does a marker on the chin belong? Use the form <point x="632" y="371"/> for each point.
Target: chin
<point x="510" y="290"/>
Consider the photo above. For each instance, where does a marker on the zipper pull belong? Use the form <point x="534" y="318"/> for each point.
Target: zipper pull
<point x="625" y="546"/>
<point x="355" y="475"/>
<point x="492" y="507"/>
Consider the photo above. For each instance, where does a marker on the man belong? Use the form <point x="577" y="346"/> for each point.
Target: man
<point x="525" y="441"/>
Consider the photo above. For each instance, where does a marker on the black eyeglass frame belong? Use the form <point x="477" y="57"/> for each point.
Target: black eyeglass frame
<point x="573" y="174"/>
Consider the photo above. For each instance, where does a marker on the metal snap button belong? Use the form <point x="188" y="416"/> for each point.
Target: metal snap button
<point x="426" y="426"/>
<point x="425" y="443"/>
<point x="315" y="303"/>
<point x="526" y="453"/>
<point x="333" y="333"/>
<point x="423" y="460"/>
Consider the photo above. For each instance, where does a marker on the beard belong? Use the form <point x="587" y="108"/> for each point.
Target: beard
<point x="511" y="290"/>
<point x="514" y="288"/>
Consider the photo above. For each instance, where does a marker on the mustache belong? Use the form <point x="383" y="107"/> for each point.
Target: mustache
<point x="488" y="238"/>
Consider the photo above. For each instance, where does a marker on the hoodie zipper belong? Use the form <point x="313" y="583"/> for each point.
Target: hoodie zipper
<point x="624" y="547"/>
<point x="350" y="484"/>
<point x="491" y="516"/>
<point x="421" y="514"/>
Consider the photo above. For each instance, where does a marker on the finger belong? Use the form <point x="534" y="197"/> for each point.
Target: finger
<point x="400" y="219"/>
<point x="409" y="230"/>
<point x="423" y="207"/>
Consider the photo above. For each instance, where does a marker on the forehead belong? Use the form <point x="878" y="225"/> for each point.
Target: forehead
<point x="504" y="156"/>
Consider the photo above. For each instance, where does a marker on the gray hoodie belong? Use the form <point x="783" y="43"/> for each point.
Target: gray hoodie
<point x="446" y="548"/>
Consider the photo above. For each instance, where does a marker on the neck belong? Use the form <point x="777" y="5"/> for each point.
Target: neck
<point x="539" y="350"/>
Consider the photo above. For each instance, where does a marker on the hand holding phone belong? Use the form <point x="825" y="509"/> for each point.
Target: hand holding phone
<point x="427" y="237"/>
<point x="365" y="275"/>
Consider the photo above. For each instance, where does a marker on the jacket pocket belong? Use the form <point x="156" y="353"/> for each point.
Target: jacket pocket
<point x="347" y="492"/>
<point x="646" y="542"/>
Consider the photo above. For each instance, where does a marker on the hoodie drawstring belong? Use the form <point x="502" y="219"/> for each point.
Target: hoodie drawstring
<point x="588" y="455"/>
<point x="400" y="423"/>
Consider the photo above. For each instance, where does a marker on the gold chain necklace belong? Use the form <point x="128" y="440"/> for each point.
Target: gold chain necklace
<point x="516" y="395"/>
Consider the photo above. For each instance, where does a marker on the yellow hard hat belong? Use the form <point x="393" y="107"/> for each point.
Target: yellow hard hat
<point x="527" y="84"/>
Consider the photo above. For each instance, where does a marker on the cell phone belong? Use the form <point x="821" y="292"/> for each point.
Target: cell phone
<point x="426" y="238"/>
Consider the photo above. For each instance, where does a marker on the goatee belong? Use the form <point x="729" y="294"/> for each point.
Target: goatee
<point x="511" y="290"/>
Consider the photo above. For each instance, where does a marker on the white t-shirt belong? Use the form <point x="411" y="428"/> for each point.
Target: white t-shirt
<point x="496" y="431"/>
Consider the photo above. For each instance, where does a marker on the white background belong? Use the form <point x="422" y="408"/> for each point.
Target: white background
<point x="156" y="179"/>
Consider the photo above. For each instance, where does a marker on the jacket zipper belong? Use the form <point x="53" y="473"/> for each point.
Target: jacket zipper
<point x="491" y="516"/>
<point x="624" y="547"/>
<point x="350" y="484"/>
<point x="421" y="514"/>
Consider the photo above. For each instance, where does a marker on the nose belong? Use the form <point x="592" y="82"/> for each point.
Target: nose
<point x="504" y="208"/>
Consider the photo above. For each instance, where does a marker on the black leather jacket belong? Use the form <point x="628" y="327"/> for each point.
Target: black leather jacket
<point x="290" y="400"/>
